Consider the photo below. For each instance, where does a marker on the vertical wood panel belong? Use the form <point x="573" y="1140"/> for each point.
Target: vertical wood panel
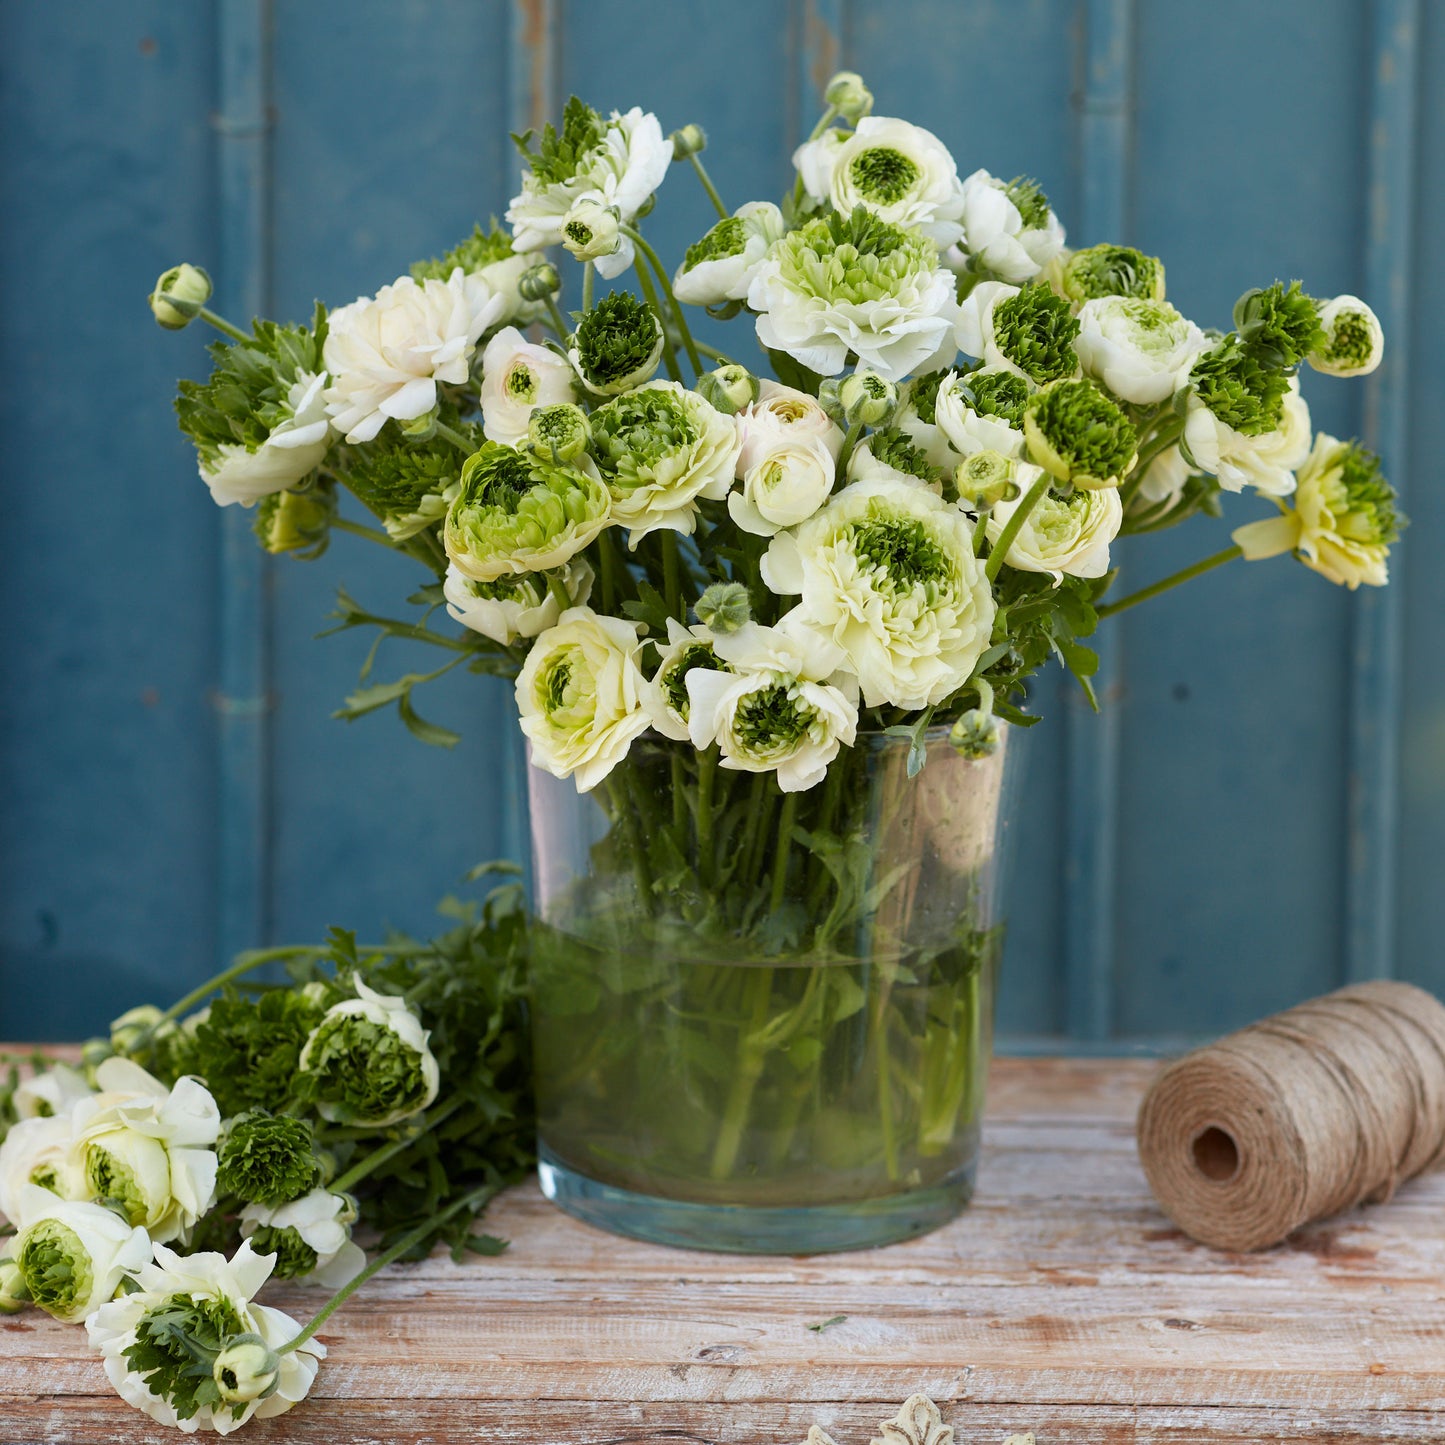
<point x="1374" y="739"/>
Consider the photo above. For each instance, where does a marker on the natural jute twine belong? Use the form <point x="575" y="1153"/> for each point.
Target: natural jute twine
<point x="1299" y="1116"/>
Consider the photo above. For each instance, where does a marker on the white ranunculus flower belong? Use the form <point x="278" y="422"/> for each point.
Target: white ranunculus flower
<point x="1165" y="476"/>
<point x="52" y="1091"/>
<point x="966" y="430"/>
<point x="1061" y="535"/>
<point x="518" y="376"/>
<point x="620" y="161"/>
<point x="1265" y="462"/>
<point x="886" y="570"/>
<point x="720" y="267"/>
<point x="1141" y="350"/>
<point x="975" y="328"/>
<point x="322" y="1222"/>
<point x="294" y="448"/>
<point x="782" y="413"/>
<point x="327" y="1050"/>
<point x="505" y="277"/>
<point x="226" y="1289"/>
<point x="148" y="1150"/>
<point x="999" y="237"/>
<point x="664" y="695"/>
<point x="785" y="706"/>
<point x="73" y="1254"/>
<point x="386" y="353"/>
<point x="514" y="607"/>
<point x="854" y="284"/>
<point x="784" y="485"/>
<point x="579" y="696"/>
<point x="901" y="172"/>
<point x="865" y="466"/>
<point x="36" y="1151"/>
<point x="1354" y="343"/>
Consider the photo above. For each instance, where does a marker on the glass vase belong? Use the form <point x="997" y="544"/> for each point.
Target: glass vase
<point x="762" y="1021"/>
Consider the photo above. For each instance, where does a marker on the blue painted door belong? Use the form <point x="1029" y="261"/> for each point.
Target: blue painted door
<point x="1256" y="816"/>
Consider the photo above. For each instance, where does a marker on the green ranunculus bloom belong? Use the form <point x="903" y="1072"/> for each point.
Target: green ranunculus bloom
<point x="1280" y="323"/>
<point x="1240" y="386"/>
<point x="1036" y="331"/>
<point x="267" y="1158"/>
<point x="1113" y="271"/>
<point x="1077" y="434"/>
<point x="617" y="345"/>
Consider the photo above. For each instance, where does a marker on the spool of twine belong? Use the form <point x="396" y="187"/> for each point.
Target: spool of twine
<point x="1304" y="1114"/>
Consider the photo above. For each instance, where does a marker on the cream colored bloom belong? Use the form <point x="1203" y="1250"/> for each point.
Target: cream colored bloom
<point x="295" y="447"/>
<point x="229" y="1287"/>
<point x="784" y="485"/>
<point x="73" y="1254"/>
<point x="1141" y="350"/>
<point x="785" y="705"/>
<point x="322" y="1222"/>
<point x="999" y="238"/>
<point x="518" y="376"/>
<point x="36" y="1151"/>
<point x="514" y="607"/>
<point x="51" y="1091"/>
<point x="886" y="571"/>
<point x="386" y="353"/>
<point x="783" y="414"/>
<point x="901" y="172"/>
<point x="579" y="695"/>
<point x="1266" y="462"/>
<point x="1165" y="476"/>
<point x="1354" y="343"/>
<point x="968" y="431"/>
<point x="664" y="695"/>
<point x="721" y="265"/>
<point x="1061" y="535"/>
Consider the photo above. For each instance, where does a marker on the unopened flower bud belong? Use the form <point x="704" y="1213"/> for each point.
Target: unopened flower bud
<point x="135" y="1026"/>
<point x="591" y="230"/>
<point x="14" y="1295"/>
<point x="560" y="431"/>
<point x="295" y="521"/>
<point x="975" y="734"/>
<point x="94" y="1052"/>
<point x="985" y="479"/>
<point x="179" y="295"/>
<point x="847" y="94"/>
<point x="1354" y="340"/>
<point x="829" y="400"/>
<point x="419" y="428"/>
<point x="729" y="389"/>
<point x="866" y="397"/>
<point x="539" y="282"/>
<point x="688" y="141"/>
<point x="246" y="1369"/>
<point x="724" y="607"/>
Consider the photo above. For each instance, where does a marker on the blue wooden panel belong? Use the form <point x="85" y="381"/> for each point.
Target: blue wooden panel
<point x="108" y="584"/>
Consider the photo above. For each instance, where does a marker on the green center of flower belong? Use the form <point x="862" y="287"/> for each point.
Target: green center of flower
<point x="728" y="238"/>
<point x="1030" y="201"/>
<point x="1281" y="322"/>
<point x="513" y="588"/>
<point x="1087" y="431"/>
<point x="903" y="550"/>
<point x="560" y="154"/>
<point x="556" y="683"/>
<point x="896" y="449"/>
<point x="1240" y="387"/>
<point x="1351" y="342"/>
<point x="1036" y="330"/>
<point x="634" y="434"/>
<point x="578" y="232"/>
<point x="771" y="721"/>
<point x="45" y="1176"/>
<point x="883" y="175"/>
<point x="294" y="1257"/>
<point x="1154" y="327"/>
<point x="617" y="340"/>
<point x="115" y="1183"/>
<point x="267" y="1158"/>
<point x="1361" y="500"/>
<point x="853" y="259"/>
<point x="674" y="681"/>
<point x="56" y="1265"/>
<point x="996" y="393"/>
<point x="175" y="1349"/>
<point x="520" y="382"/>
<point x="363" y="1069"/>
<point x="923" y="395"/>
<point x="1055" y="520"/>
<point x="1113" y="271"/>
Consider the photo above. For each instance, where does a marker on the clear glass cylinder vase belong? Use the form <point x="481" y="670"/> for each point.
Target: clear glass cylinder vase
<point x="762" y="1021"/>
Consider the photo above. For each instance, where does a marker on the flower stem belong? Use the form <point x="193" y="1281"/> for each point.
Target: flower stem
<point x="980" y="534"/>
<point x="472" y="1200"/>
<point x="666" y="283"/>
<point x="785" y="844"/>
<point x="455" y="438"/>
<point x="1207" y="564"/>
<point x="555" y="587"/>
<point x="995" y="562"/>
<point x="759" y="989"/>
<point x="559" y="323"/>
<point x="649" y="294"/>
<point x="242" y="964"/>
<point x="714" y="353"/>
<point x="378" y="1157"/>
<point x="708" y="186"/>
<point x="372" y="534"/>
<point x="589" y="271"/>
<point x="222" y="325"/>
<point x="845" y="452"/>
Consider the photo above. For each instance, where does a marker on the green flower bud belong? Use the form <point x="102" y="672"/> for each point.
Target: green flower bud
<point x="246" y="1369"/>
<point x="1352" y="340"/>
<point x="1113" y="271"/>
<point x="591" y="230"/>
<point x="617" y="345"/>
<point x="295" y="1259"/>
<point x="1281" y="324"/>
<point x="179" y="296"/>
<point x="297" y="522"/>
<point x="14" y="1295"/>
<point x="1076" y="433"/>
<point x="829" y="400"/>
<point x="688" y="141"/>
<point x="267" y="1158"/>
<point x="560" y="432"/>
<point x="539" y="282"/>
<point x="1036" y="331"/>
<point x="866" y="397"/>
<point x="975" y="734"/>
<point x="724" y="607"/>
<point x="728" y="389"/>
<point x="137" y="1026"/>
<point x="419" y="428"/>
<point x="985" y="479"/>
<point x="847" y="94"/>
<point x="997" y="393"/>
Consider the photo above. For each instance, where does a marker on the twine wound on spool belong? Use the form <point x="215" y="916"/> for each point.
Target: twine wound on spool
<point x="1304" y="1114"/>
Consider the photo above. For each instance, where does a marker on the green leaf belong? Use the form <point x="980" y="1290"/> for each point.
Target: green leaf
<point x="430" y="733"/>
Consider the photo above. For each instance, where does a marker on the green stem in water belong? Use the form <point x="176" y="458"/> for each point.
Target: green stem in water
<point x="1186" y="574"/>
<point x="455" y="438"/>
<point x="708" y="186"/>
<point x="759" y="989"/>
<point x="378" y="1157"/>
<point x="222" y="325"/>
<point x="473" y="1200"/>
<point x="649" y="294"/>
<point x="665" y="281"/>
<point x="784" y="854"/>
<point x="995" y="562"/>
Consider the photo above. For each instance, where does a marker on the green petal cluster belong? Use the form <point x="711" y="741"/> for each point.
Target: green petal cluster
<point x="673" y="679"/>
<point x="995" y="392"/>
<point x="294" y="1257"/>
<point x="634" y="435"/>
<point x="114" y="1183"/>
<point x="770" y="720"/>
<point x="921" y="395"/>
<point x="617" y="344"/>
<point x="175" y="1349"/>
<point x="1113" y="271"/>
<point x="267" y="1158"/>
<point x="729" y="237"/>
<point x="1361" y="498"/>
<point x="56" y="1266"/>
<point x="1244" y="389"/>
<point x="248" y="1049"/>
<point x="1280" y="323"/>
<point x="392" y="476"/>
<point x="363" y="1070"/>
<point x="560" y="154"/>
<point x="902" y="551"/>
<point x="481" y="248"/>
<point x="1036" y="331"/>
<point x="1075" y="432"/>
<point x="519" y="511"/>
<point x="296" y="521"/>
<point x="1030" y="201"/>
<point x="894" y="448"/>
<point x="560" y="432"/>
<point x="852" y="259"/>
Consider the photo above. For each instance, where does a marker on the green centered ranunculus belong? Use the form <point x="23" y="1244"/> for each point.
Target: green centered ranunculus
<point x="267" y="1158"/>
<point x="56" y="1265"/>
<point x="518" y="511"/>
<point x="1113" y="271"/>
<point x="617" y="344"/>
<point x="1036" y="331"/>
<point x="1078" y="435"/>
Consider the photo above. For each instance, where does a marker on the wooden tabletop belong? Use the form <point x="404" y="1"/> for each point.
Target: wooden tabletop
<point x="1062" y="1302"/>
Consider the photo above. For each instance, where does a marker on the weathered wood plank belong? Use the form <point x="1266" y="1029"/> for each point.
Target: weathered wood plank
<point x="1061" y="1302"/>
